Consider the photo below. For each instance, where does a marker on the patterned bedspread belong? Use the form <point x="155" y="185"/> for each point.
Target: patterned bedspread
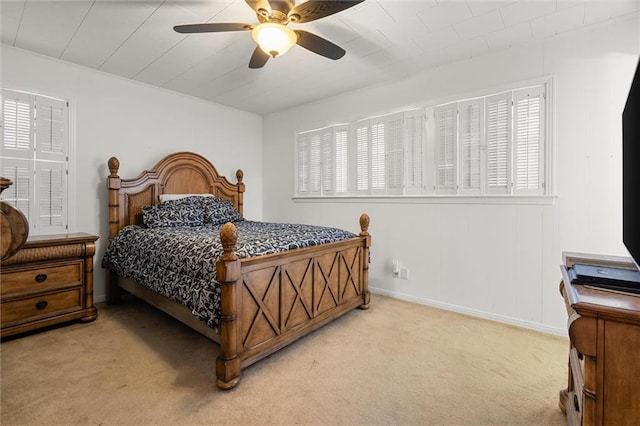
<point x="180" y="262"/>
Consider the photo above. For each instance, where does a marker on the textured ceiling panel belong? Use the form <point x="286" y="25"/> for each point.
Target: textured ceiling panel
<point x="48" y="27"/>
<point x="384" y="40"/>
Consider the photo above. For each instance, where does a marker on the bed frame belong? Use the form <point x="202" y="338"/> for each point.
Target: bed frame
<point x="267" y="301"/>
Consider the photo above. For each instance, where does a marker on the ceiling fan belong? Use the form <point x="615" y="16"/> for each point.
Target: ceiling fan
<point x="272" y="34"/>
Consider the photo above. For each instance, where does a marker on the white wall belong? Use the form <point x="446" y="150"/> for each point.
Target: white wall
<point x="498" y="261"/>
<point x="138" y="124"/>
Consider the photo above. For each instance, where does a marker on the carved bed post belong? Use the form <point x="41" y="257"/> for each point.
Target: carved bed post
<point x="364" y="227"/>
<point x="113" y="186"/>
<point x="239" y="176"/>
<point x="228" y="274"/>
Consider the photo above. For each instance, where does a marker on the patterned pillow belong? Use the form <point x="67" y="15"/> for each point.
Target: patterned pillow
<point x="218" y="211"/>
<point x="183" y="212"/>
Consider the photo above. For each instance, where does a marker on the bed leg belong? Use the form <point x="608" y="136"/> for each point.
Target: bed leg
<point x="229" y="275"/>
<point x="366" y="298"/>
<point x="228" y="373"/>
<point x="364" y="232"/>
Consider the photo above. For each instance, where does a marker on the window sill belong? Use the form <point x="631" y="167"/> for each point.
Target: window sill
<point x="431" y="199"/>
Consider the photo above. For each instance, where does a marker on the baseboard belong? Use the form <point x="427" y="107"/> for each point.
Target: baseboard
<point x="471" y="312"/>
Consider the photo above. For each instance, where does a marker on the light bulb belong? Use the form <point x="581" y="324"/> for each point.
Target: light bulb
<point x="274" y="39"/>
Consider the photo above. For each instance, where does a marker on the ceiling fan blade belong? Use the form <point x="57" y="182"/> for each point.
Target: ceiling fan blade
<point x="258" y="59"/>
<point x="319" y="45"/>
<point x="212" y="28"/>
<point x="316" y="9"/>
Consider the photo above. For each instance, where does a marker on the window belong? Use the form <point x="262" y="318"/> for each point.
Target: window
<point x="487" y="145"/>
<point x="34" y="156"/>
<point x="373" y="148"/>
<point x="389" y="154"/>
<point x="322" y="160"/>
<point x="492" y="145"/>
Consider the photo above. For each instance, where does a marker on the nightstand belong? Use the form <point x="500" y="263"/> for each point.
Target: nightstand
<point x="48" y="281"/>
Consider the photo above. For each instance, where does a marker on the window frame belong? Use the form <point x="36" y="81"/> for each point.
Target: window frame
<point x="39" y="161"/>
<point x="326" y="182"/>
<point x="430" y="187"/>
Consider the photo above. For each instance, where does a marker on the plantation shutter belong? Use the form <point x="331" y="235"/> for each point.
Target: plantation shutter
<point x="50" y="193"/>
<point x="327" y="160"/>
<point x="17" y="124"/>
<point x="341" y="137"/>
<point x="18" y="150"/>
<point x="377" y="146"/>
<point x="315" y="164"/>
<point x="486" y="145"/>
<point x="323" y="156"/>
<point x="394" y="153"/>
<point x="51" y="129"/>
<point x="362" y="156"/>
<point x="20" y="194"/>
<point x="528" y="134"/>
<point x="51" y="168"/>
<point x="35" y="142"/>
<point x="304" y="152"/>
<point x="498" y="116"/>
<point x="470" y="115"/>
<point x="414" y="128"/>
<point x="446" y="142"/>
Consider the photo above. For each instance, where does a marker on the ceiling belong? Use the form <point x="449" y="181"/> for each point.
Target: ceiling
<point x="385" y="40"/>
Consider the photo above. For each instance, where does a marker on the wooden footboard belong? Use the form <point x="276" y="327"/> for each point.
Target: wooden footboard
<point x="267" y="301"/>
<point x="271" y="301"/>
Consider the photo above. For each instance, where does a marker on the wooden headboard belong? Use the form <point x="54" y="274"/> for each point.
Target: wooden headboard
<point x="179" y="173"/>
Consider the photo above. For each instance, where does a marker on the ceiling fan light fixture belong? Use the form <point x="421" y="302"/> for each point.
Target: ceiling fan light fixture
<point x="274" y="39"/>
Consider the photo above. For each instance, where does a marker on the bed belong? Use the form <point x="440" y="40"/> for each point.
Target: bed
<point x="266" y="301"/>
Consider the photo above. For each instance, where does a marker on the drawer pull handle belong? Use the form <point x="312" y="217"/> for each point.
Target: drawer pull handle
<point x="41" y="305"/>
<point x="575" y="402"/>
<point x="41" y="278"/>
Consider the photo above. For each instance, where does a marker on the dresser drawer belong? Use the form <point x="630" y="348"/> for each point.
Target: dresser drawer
<point x="41" y="306"/>
<point x="41" y="278"/>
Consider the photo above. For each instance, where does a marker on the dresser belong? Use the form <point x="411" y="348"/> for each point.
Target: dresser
<point x="48" y="281"/>
<point x="604" y="355"/>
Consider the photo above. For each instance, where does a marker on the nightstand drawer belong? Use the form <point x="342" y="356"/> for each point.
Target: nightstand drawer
<point x="41" y="306"/>
<point x="41" y="278"/>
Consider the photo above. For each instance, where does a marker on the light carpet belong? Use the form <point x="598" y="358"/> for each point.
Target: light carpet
<point x="397" y="363"/>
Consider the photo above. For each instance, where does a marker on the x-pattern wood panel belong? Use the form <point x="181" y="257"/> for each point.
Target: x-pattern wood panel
<point x="299" y="298"/>
<point x="337" y="280"/>
<point x="328" y="286"/>
<point x="279" y="298"/>
<point x="264" y="323"/>
<point x="351" y="280"/>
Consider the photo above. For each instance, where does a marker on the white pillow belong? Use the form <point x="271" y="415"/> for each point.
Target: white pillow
<point x="171" y="197"/>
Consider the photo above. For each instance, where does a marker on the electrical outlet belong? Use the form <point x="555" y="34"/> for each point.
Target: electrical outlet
<point x="395" y="271"/>
<point x="404" y="273"/>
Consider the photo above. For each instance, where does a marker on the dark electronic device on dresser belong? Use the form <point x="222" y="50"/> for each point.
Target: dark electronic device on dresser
<point x="618" y="279"/>
<point x="631" y="170"/>
<point x="615" y="278"/>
